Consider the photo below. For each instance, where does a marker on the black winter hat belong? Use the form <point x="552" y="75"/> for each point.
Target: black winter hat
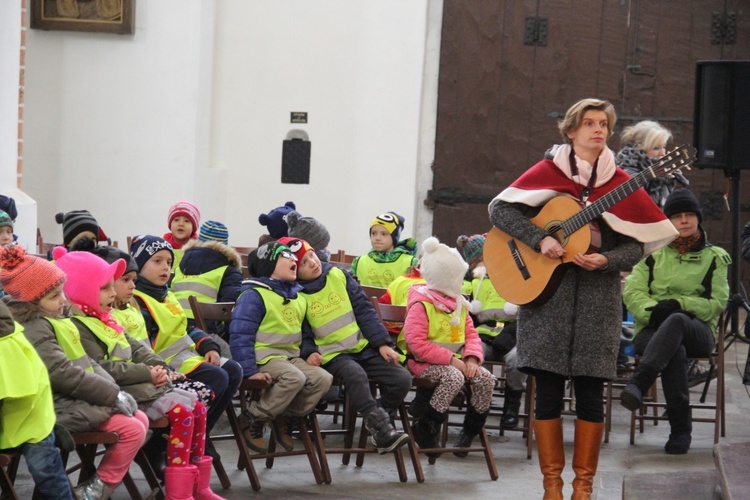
<point x="683" y="201"/>
<point x="261" y="262"/>
<point x="8" y="205"/>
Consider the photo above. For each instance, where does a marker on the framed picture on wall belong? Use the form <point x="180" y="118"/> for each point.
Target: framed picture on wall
<point x="101" y="16"/>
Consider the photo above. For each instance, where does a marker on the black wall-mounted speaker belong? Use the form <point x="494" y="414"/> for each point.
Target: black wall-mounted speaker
<point x="721" y="127"/>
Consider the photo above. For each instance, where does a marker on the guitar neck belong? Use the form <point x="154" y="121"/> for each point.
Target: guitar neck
<point x="601" y="205"/>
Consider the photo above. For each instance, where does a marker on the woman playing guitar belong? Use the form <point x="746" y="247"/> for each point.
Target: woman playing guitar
<point x="575" y="331"/>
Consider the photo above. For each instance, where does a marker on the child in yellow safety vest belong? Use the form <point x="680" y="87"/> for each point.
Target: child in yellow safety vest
<point x="495" y="321"/>
<point x="343" y="333"/>
<point x="27" y="414"/>
<point x="190" y="351"/>
<point x="86" y="398"/>
<point x="137" y="370"/>
<point x="389" y="257"/>
<point x="266" y="333"/>
<point x="444" y="346"/>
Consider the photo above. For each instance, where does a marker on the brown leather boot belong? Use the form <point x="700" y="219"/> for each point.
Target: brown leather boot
<point x="549" y="445"/>
<point x="588" y="442"/>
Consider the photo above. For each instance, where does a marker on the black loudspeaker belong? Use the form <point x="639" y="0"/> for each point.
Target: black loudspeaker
<point x="721" y="126"/>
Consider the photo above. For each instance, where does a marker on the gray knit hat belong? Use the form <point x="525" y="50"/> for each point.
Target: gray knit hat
<point x="308" y="229"/>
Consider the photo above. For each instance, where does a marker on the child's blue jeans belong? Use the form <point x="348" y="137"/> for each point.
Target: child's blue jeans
<point x="46" y="468"/>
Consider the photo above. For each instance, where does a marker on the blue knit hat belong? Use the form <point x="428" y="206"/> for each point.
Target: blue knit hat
<point x="144" y="246"/>
<point x="212" y="230"/>
<point x="275" y="220"/>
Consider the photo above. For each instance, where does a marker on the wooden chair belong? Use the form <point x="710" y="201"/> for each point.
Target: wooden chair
<point x="717" y="408"/>
<point x="342" y="256"/>
<point x="374" y="291"/>
<point x="9" y="460"/>
<point x="250" y="389"/>
<point x="243" y="251"/>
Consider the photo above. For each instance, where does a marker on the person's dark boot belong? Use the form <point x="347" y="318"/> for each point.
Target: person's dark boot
<point x="632" y="396"/>
<point x="426" y="429"/>
<point x="155" y="450"/>
<point x="421" y="402"/>
<point x="473" y="423"/>
<point x="383" y="435"/>
<point x="681" y="428"/>
<point x="511" y="406"/>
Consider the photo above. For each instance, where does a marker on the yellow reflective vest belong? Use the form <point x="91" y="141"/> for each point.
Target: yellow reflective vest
<point x="279" y="334"/>
<point x="492" y="306"/>
<point x="118" y="347"/>
<point x="132" y="320"/>
<point x="381" y="274"/>
<point x="69" y="339"/>
<point x="27" y="414"/>
<point x="172" y="343"/>
<point x="441" y="331"/>
<point x="204" y="286"/>
<point x="331" y="316"/>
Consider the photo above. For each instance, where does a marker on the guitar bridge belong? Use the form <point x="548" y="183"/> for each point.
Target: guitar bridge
<point x="520" y="264"/>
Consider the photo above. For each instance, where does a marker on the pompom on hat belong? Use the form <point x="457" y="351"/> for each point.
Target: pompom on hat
<point x="681" y="201"/>
<point x="297" y="246"/>
<point x="87" y="274"/>
<point x="392" y="222"/>
<point x="308" y="229"/>
<point x="108" y="253"/>
<point x="8" y="205"/>
<point x="261" y="262"/>
<point x="471" y="247"/>
<point x="76" y="222"/>
<point x="185" y="209"/>
<point x="26" y="277"/>
<point x="212" y="230"/>
<point x="275" y="220"/>
<point x="442" y="267"/>
<point x="144" y="246"/>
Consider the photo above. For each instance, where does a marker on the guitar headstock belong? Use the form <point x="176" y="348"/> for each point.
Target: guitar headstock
<point x="675" y="160"/>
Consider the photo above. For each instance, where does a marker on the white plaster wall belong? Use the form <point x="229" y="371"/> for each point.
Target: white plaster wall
<point x="196" y="105"/>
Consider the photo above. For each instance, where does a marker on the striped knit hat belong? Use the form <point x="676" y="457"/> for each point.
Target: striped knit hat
<point x="212" y="230"/>
<point x="5" y="220"/>
<point x="77" y="222"/>
<point x="471" y="247"/>
<point x="26" y="277"/>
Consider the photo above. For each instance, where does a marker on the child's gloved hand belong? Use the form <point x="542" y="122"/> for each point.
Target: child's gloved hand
<point x="125" y="404"/>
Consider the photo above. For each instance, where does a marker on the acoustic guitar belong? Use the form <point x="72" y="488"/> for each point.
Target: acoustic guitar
<point x="524" y="276"/>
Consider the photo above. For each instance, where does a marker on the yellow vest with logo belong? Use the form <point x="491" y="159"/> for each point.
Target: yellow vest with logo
<point x="279" y="334"/>
<point x="27" y="414"/>
<point x="177" y="252"/>
<point x="442" y="333"/>
<point x="330" y="314"/>
<point x="118" y="347"/>
<point x="492" y="305"/>
<point x="69" y="339"/>
<point x="399" y="289"/>
<point x="381" y="274"/>
<point x="132" y="321"/>
<point x="204" y="286"/>
<point x="172" y="343"/>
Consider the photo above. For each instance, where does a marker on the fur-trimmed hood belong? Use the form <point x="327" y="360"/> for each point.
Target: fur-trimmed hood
<point x="198" y="253"/>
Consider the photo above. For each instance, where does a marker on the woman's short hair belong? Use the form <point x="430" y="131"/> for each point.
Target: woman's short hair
<point x="574" y="116"/>
<point x="646" y="134"/>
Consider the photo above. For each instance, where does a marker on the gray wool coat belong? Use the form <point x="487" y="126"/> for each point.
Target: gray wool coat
<point x="577" y="331"/>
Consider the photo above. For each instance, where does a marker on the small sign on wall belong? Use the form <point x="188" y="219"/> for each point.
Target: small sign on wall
<point x="298" y="117"/>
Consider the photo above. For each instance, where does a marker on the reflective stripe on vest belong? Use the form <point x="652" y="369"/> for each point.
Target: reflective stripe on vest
<point x="204" y="286"/>
<point x="330" y="314"/>
<point x="118" y="347"/>
<point x="172" y="342"/>
<point x="69" y="339"/>
<point x="381" y="274"/>
<point x="442" y="333"/>
<point x="279" y="334"/>
<point x="132" y="320"/>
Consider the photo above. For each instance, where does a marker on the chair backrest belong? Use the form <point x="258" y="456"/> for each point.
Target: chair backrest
<point x="389" y="312"/>
<point x="210" y="311"/>
<point x="341" y="265"/>
<point x="342" y="256"/>
<point x="373" y="291"/>
<point x="243" y="251"/>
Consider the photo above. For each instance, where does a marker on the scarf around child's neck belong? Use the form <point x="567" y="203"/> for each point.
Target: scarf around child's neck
<point x="103" y="316"/>
<point x="159" y="292"/>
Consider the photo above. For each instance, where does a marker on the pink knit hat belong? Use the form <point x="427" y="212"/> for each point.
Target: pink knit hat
<point x="186" y="209"/>
<point x="87" y="274"/>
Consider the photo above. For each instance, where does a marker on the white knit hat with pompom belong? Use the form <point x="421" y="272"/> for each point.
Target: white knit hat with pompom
<point x="442" y="267"/>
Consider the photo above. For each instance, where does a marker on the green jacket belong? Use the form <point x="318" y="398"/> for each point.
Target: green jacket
<point x="697" y="280"/>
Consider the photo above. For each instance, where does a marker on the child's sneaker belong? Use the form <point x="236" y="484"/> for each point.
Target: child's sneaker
<point x="384" y="436"/>
<point x="252" y="431"/>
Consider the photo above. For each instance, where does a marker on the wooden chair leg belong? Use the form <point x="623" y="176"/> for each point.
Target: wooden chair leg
<point x="412" y="446"/>
<point x="244" y="460"/>
<point x="321" y="449"/>
<point x="221" y="473"/>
